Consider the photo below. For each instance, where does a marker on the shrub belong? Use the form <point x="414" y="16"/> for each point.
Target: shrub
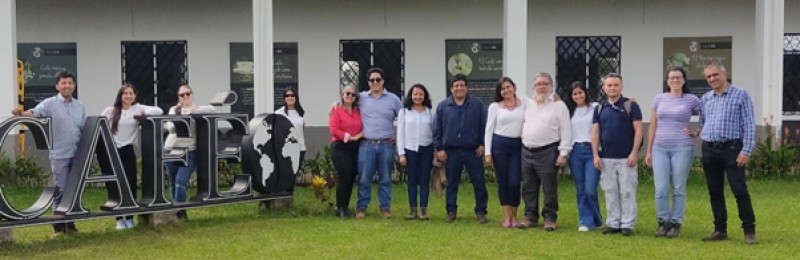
<point x="771" y="159"/>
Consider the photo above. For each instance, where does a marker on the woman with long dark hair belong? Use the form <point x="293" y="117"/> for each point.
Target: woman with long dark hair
<point x="504" y="146"/>
<point x="179" y="173"/>
<point x="346" y="131"/>
<point x="415" y="147"/>
<point x="125" y="130"/>
<point x="294" y="111"/>
<point x="581" y="159"/>
<point x="670" y="148"/>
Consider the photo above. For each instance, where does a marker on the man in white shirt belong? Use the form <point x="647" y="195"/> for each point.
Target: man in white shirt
<point x="546" y="140"/>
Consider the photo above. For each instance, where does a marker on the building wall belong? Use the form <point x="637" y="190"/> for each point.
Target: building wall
<point x="208" y="26"/>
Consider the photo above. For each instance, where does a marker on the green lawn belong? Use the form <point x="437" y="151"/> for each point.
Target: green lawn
<point x="311" y="231"/>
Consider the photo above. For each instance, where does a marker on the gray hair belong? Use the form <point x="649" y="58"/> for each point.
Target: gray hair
<point x="544" y="75"/>
<point x="717" y="65"/>
<point x="613" y="75"/>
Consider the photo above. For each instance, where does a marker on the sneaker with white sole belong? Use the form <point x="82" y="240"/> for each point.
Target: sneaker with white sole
<point x="121" y="224"/>
<point x="129" y="223"/>
<point x="583" y="229"/>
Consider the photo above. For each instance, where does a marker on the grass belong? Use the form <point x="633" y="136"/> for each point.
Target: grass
<point x="309" y="230"/>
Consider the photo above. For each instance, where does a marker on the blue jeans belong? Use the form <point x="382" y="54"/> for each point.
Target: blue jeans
<point x="507" y="157"/>
<point x="586" y="180"/>
<point x="179" y="177"/>
<point x="456" y="160"/>
<point x="670" y="169"/>
<point x="375" y="157"/>
<point x="418" y="169"/>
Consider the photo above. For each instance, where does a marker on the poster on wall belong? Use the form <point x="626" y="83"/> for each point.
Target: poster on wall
<point x="242" y="71"/>
<point x="481" y="60"/>
<point x="693" y="54"/>
<point x="41" y="62"/>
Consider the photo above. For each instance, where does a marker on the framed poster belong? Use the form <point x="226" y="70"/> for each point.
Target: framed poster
<point x="481" y="60"/>
<point x="693" y="54"/>
<point x="242" y="70"/>
<point x="41" y="62"/>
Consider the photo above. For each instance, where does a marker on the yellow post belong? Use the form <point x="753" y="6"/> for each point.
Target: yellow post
<point x="21" y="103"/>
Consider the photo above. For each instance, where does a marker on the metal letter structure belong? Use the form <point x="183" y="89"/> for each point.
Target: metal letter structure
<point x="41" y="130"/>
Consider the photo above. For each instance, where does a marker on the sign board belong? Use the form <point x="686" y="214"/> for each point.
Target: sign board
<point x="693" y="54"/>
<point x="41" y="62"/>
<point x="481" y="60"/>
<point x="242" y="71"/>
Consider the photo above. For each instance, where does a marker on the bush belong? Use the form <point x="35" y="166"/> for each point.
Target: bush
<point x="26" y="172"/>
<point x="771" y="159"/>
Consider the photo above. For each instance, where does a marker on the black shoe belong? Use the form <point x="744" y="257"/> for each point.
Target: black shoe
<point x="610" y="230"/>
<point x="626" y="232"/>
<point x="71" y="228"/>
<point x="716" y="236"/>
<point x="451" y="216"/>
<point x="182" y="215"/>
<point x="663" y="228"/>
<point x="750" y="239"/>
<point x="343" y="213"/>
<point x="481" y="218"/>
<point x="674" y="230"/>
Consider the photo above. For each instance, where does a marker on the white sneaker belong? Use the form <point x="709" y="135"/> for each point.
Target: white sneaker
<point x="583" y="229"/>
<point x="121" y="224"/>
<point x="129" y="223"/>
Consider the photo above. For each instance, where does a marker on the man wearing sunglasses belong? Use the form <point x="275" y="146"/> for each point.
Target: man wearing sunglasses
<point x="376" y="153"/>
<point x="616" y="137"/>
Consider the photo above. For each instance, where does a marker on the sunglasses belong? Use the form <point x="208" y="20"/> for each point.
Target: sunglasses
<point x="184" y="94"/>
<point x="289" y="95"/>
<point x="350" y="94"/>
<point x="375" y="80"/>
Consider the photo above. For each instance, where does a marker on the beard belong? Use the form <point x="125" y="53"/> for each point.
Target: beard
<point x="540" y="98"/>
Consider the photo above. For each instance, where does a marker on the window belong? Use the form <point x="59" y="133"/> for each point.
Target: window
<point x="156" y="69"/>
<point x="358" y="56"/>
<point x="791" y="73"/>
<point x="586" y="59"/>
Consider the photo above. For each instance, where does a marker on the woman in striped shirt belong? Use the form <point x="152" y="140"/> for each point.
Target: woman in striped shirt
<point x="670" y="147"/>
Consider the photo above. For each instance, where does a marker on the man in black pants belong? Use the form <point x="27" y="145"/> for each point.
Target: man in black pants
<point x="728" y="133"/>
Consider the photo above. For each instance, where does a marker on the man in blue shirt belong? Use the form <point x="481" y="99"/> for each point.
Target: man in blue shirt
<point x="459" y="125"/>
<point x="728" y="133"/>
<point x="616" y="137"/>
<point x="376" y="153"/>
<point x="67" y="116"/>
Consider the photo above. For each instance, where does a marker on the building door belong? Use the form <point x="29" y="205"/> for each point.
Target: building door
<point x="358" y="56"/>
<point x="156" y="69"/>
<point x="586" y="59"/>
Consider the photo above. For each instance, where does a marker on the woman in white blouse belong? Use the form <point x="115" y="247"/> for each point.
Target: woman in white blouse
<point x="581" y="159"/>
<point x="179" y="173"/>
<point x="294" y="111"/>
<point x="125" y="130"/>
<point x="415" y="147"/>
<point x="504" y="146"/>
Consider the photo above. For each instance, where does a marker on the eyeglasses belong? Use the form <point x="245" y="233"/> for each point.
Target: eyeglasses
<point x="544" y="84"/>
<point x="350" y="94"/>
<point x="289" y="95"/>
<point x="185" y="94"/>
<point x="375" y="80"/>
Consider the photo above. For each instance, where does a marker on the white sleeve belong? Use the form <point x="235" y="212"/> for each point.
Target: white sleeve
<point x="204" y="110"/>
<point x="150" y="110"/>
<point x="401" y="127"/>
<point x="565" y="124"/>
<point x="491" y="123"/>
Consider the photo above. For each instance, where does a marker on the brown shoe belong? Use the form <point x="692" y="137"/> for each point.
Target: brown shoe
<point x="361" y="214"/>
<point x="750" y="239"/>
<point x="386" y="214"/>
<point x="717" y="236"/>
<point x="549" y="225"/>
<point x="527" y="224"/>
<point x="451" y="216"/>
<point x="423" y="213"/>
<point x="481" y="218"/>
<point x="412" y="214"/>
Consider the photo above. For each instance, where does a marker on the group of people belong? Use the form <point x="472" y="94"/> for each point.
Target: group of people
<point x="527" y="140"/>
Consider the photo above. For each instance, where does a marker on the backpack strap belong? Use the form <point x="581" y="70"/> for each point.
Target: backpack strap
<point x="627" y="106"/>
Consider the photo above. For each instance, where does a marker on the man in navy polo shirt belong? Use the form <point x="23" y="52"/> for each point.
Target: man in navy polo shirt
<point x="616" y="137"/>
<point x="458" y="138"/>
